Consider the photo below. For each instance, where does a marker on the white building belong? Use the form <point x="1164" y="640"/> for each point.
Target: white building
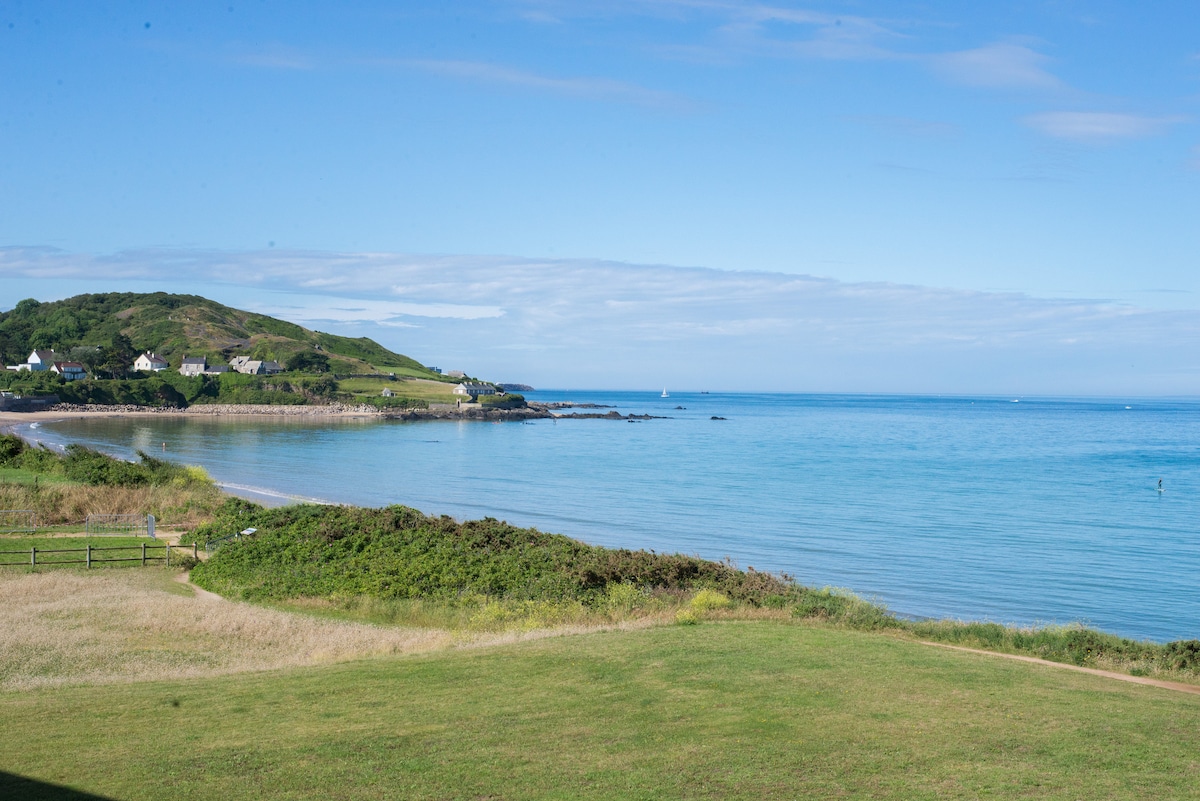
<point x="38" y="360"/>
<point x="150" y="363"/>
<point x="72" y="371"/>
<point x="474" y="389"/>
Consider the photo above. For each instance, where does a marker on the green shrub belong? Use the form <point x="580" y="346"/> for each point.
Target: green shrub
<point x="707" y="600"/>
<point x="510" y="400"/>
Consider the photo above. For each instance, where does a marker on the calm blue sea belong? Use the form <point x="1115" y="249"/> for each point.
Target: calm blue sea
<point x="1038" y="511"/>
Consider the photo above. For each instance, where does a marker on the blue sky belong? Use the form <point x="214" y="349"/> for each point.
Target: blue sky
<point x="825" y="196"/>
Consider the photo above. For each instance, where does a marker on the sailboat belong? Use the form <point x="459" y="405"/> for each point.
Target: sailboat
<point x="665" y="393"/>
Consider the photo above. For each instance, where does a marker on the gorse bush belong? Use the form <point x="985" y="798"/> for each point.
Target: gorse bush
<point x="397" y="552"/>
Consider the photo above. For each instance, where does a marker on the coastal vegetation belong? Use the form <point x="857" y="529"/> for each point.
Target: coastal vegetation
<point x="66" y="487"/>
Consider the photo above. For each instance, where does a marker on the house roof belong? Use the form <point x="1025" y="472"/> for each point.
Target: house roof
<point x="71" y="365"/>
<point x="154" y="357"/>
<point x="194" y="360"/>
<point x="44" y="355"/>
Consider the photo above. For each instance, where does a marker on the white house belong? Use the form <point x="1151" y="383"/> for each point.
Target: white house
<point x="38" y="360"/>
<point x="72" y="371"/>
<point x="193" y="365"/>
<point x="150" y="363"/>
<point x="474" y="389"/>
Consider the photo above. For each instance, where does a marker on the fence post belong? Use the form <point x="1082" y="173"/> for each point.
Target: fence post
<point x="195" y="553"/>
<point x="150" y="526"/>
<point x="89" y="557"/>
<point x="168" y="547"/>
<point x="33" y="555"/>
<point x="143" y="554"/>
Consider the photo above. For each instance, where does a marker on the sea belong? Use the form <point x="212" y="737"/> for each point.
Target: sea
<point x="1024" y="511"/>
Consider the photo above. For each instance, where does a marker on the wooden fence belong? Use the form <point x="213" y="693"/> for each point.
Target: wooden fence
<point x="145" y="557"/>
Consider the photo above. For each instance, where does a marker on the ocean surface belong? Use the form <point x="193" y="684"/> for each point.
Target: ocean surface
<point x="1040" y="511"/>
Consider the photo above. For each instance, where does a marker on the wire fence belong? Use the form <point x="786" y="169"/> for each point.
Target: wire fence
<point x="17" y="521"/>
<point x="123" y="525"/>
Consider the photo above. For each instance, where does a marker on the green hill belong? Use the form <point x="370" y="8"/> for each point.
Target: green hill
<point x="175" y="325"/>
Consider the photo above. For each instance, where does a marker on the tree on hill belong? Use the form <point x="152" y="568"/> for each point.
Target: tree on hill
<point x="307" y="361"/>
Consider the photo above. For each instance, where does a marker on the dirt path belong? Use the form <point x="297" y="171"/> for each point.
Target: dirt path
<point x="1108" y="674"/>
<point x="185" y="578"/>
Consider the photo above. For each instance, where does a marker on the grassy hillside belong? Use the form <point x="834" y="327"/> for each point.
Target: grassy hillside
<point x="733" y="710"/>
<point x="174" y="325"/>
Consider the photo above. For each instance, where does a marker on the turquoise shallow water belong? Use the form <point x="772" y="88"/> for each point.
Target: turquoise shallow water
<point x="1041" y="511"/>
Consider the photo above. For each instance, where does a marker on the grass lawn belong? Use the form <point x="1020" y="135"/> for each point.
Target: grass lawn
<point x="14" y="548"/>
<point x="17" y="475"/>
<point x="420" y="388"/>
<point x="751" y="710"/>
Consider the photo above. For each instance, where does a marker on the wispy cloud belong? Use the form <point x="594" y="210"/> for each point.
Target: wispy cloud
<point x="606" y="323"/>
<point x="1099" y="126"/>
<point x="999" y="66"/>
<point x="589" y="88"/>
<point x="272" y="56"/>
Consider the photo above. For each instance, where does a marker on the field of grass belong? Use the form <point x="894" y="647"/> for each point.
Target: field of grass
<point x="16" y="547"/>
<point x="418" y="388"/>
<point x="727" y="710"/>
<point x="65" y="626"/>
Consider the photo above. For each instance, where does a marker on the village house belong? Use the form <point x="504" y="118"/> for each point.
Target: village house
<point x="72" y="371"/>
<point x="38" y="360"/>
<point x="150" y="363"/>
<point x="193" y="365"/>
<point x="244" y="364"/>
<point x="474" y="389"/>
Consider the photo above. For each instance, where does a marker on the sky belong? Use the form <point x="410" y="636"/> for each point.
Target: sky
<point x="915" y="197"/>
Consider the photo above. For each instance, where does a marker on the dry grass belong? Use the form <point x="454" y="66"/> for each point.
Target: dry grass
<point x="67" y="627"/>
<point x="71" y="503"/>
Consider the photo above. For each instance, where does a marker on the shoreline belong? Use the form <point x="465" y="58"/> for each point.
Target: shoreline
<point x="10" y="421"/>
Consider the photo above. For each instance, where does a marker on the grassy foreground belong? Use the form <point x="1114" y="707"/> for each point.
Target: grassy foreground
<point x="724" y="710"/>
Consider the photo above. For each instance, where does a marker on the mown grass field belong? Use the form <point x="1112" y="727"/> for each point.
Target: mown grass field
<point x="17" y="547"/>
<point x="727" y="710"/>
<point x="419" y="388"/>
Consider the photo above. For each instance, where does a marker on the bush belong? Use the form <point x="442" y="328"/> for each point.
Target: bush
<point x="707" y="600"/>
<point x="509" y="400"/>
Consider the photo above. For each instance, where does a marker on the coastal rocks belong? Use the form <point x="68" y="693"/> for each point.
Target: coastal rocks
<point x="470" y="413"/>
<point x="613" y="415"/>
<point x="213" y="409"/>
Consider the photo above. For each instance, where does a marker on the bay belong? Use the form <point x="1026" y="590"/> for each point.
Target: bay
<point x="1040" y="511"/>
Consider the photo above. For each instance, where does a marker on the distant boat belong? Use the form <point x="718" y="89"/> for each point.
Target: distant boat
<point x="665" y="393"/>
